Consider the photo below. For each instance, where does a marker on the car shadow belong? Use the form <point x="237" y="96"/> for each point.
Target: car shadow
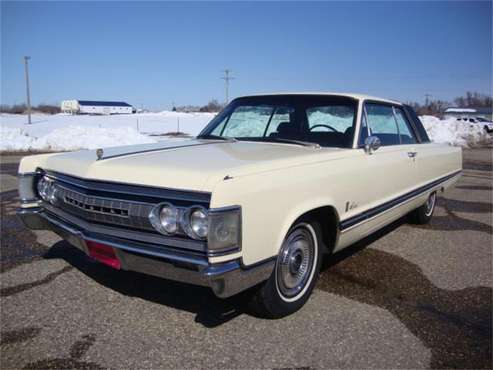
<point x="210" y="311"/>
<point x="453" y="222"/>
<point x="456" y="325"/>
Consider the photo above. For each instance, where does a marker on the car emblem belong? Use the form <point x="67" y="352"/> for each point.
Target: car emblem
<point x="99" y="153"/>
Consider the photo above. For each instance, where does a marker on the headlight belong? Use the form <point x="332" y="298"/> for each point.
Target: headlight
<point x="164" y="218"/>
<point x="224" y="229"/>
<point x="195" y="222"/>
<point x="47" y="189"/>
<point x="26" y="187"/>
<point x="43" y="188"/>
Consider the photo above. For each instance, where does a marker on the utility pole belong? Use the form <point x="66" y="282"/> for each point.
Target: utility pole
<point x="427" y="101"/>
<point x="26" y="70"/>
<point x="227" y="78"/>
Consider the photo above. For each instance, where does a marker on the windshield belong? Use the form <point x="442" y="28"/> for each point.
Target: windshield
<point x="325" y="120"/>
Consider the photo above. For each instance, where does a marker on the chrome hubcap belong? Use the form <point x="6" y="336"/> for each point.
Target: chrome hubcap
<point x="430" y="204"/>
<point x="295" y="262"/>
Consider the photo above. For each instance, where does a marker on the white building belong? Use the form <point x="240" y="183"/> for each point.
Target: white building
<point x="473" y="112"/>
<point x="95" y="107"/>
<point x="70" y="106"/>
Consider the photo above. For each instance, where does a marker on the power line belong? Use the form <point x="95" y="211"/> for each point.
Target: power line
<point x="227" y="78"/>
<point x="26" y="71"/>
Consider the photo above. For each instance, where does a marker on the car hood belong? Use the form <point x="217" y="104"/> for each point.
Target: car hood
<point x="188" y="164"/>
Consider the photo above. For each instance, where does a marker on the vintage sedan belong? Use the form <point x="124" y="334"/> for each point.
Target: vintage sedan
<point x="271" y="185"/>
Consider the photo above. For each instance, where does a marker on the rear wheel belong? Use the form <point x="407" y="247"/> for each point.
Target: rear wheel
<point x="295" y="273"/>
<point x="423" y="214"/>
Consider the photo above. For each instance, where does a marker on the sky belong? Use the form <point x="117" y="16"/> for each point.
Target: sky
<point x="152" y="54"/>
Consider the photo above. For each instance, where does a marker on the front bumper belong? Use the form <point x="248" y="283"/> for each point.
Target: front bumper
<point x="225" y="279"/>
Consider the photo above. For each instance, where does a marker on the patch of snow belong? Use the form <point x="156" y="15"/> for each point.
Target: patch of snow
<point x="460" y="110"/>
<point x="71" y="132"/>
<point x="71" y="138"/>
<point x="454" y="132"/>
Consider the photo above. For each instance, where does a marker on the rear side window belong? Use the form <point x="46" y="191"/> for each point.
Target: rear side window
<point x="382" y="123"/>
<point x="423" y="135"/>
<point x="405" y="130"/>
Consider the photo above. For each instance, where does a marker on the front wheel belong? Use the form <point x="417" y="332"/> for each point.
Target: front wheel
<point x="423" y="214"/>
<point x="295" y="273"/>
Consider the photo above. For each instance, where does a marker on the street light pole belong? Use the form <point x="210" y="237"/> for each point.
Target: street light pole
<point x="26" y="70"/>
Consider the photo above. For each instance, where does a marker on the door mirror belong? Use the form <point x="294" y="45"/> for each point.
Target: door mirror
<point x="372" y="143"/>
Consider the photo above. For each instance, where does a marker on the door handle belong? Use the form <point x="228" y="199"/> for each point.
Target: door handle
<point x="412" y="154"/>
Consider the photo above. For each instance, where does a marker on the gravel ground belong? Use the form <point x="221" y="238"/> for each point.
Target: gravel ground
<point x="406" y="297"/>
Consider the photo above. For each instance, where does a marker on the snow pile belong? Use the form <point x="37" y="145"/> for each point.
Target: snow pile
<point x="454" y="132"/>
<point x="14" y="139"/>
<point x="71" y="138"/>
<point x="71" y="132"/>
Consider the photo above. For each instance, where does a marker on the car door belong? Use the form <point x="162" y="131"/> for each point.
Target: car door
<point x="433" y="160"/>
<point x="388" y="172"/>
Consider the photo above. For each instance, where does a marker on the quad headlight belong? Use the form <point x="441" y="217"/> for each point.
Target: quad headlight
<point x="170" y="220"/>
<point x="195" y="221"/>
<point x="37" y="186"/>
<point x="47" y="189"/>
<point x="220" y="227"/>
<point x="165" y="218"/>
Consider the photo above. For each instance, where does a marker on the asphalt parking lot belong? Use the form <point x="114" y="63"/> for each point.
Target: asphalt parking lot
<point x="407" y="297"/>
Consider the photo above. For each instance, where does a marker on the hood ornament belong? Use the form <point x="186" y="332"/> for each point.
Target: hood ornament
<point x="99" y="153"/>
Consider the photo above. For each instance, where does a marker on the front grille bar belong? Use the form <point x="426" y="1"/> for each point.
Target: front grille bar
<point x="95" y="208"/>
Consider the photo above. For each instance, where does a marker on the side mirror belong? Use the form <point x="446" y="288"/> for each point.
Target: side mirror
<point x="372" y="143"/>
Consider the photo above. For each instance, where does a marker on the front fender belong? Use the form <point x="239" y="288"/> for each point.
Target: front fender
<point x="270" y="204"/>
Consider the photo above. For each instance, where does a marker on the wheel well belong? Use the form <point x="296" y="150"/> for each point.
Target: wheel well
<point x="328" y="220"/>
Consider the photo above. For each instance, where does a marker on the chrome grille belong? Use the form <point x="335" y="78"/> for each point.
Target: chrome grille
<point x="104" y="210"/>
<point x="95" y="208"/>
<point x="120" y="210"/>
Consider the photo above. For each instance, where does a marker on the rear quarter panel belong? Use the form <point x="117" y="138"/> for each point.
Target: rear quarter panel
<point x="438" y="160"/>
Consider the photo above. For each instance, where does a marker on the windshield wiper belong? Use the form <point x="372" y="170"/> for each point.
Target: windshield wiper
<point x="216" y="137"/>
<point x="287" y="141"/>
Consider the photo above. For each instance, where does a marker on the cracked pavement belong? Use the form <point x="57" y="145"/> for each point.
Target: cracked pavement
<point x="406" y="297"/>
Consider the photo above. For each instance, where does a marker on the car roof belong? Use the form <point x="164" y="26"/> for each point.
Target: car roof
<point x="348" y="95"/>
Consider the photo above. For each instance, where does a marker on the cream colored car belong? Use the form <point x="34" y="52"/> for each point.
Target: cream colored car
<point x="273" y="183"/>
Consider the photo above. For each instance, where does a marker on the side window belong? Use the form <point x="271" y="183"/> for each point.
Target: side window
<point x="382" y="123"/>
<point x="407" y="136"/>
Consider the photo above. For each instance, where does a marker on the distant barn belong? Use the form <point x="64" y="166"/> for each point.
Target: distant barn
<point x="96" y="107"/>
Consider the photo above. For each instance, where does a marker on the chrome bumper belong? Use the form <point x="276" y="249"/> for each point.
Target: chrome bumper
<point x="225" y="279"/>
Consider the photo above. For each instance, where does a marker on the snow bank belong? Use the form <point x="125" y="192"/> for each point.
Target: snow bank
<point x="454" y="132"/>
<point x="71" y="132"/>
<point x="71" y="138"/>
<point x="68" y="132"/>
